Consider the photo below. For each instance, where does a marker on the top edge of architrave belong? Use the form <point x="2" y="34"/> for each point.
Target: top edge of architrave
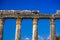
<point x="19" y="10"/>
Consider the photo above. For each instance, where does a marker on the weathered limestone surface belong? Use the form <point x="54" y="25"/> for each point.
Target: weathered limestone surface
<point x="18" y="29"/>
<point x="35" y="30"/>
<point x="1" y="29"/>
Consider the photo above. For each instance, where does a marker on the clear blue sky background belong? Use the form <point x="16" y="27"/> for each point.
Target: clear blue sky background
<point x="44" y="6"/>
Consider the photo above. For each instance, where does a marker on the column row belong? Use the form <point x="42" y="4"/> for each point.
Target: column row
<point x="18" y="29"/>
<point x="35" y="29"/>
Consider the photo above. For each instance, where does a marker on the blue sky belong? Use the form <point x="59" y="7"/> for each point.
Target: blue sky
<point x="44" y="6"/>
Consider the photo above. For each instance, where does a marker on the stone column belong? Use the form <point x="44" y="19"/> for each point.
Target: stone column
<point x="35" y="29"/>
<point x="1" y="29"/>
<point x="18" y="29"/>
<point x="52" y="29"/>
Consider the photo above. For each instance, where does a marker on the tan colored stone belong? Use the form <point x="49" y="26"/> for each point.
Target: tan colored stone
<point x="52" y="30"/>
<point x="1" y="28"/>
<point x="35" y="29"/>
<point x="18" y="29"/>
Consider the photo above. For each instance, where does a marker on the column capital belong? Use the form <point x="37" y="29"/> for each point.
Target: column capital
<point x="35" y="21"/>
<point x="52" y="19"/>
<point x="19" y="20"/>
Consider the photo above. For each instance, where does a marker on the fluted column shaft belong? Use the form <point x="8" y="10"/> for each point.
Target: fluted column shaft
<point x="1" y="29"/>
<point x="18" y="29"/>
<point x="52" y="29"/>
<point x="35" y="29"/>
